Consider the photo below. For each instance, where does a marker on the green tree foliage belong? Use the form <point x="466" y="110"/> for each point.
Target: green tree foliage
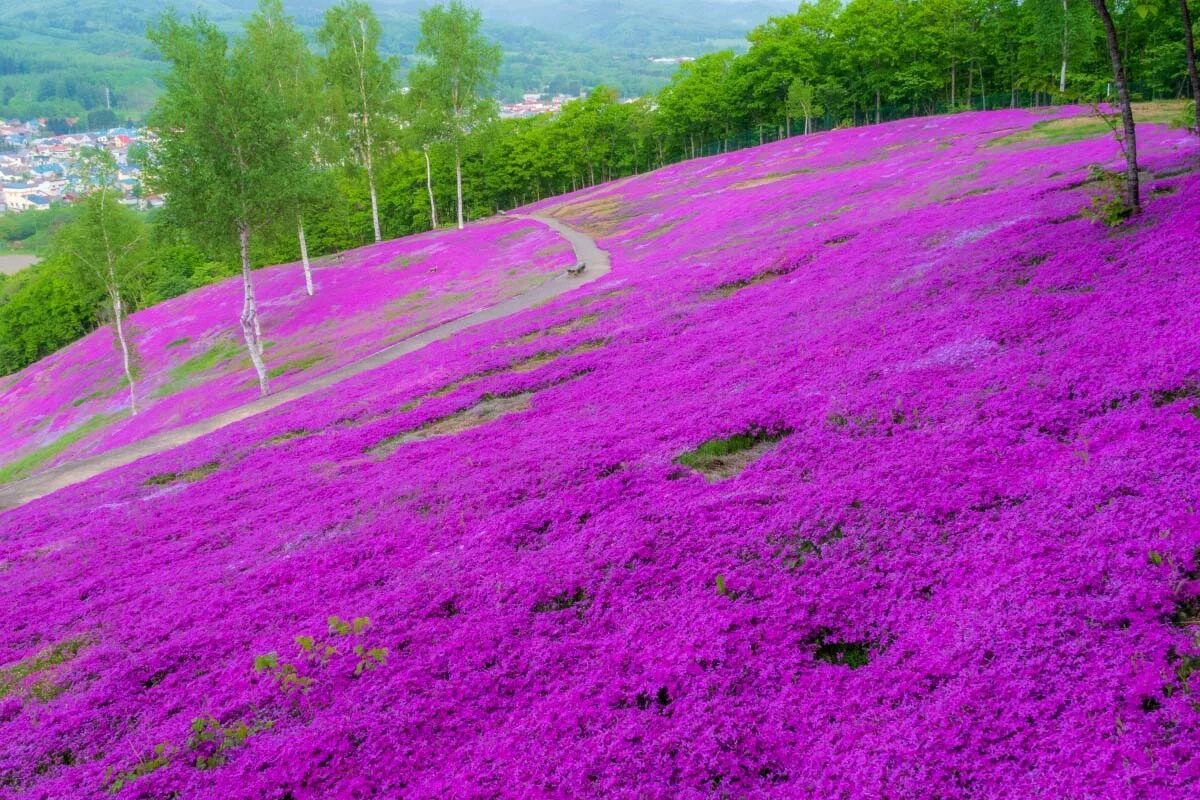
<point x="361" y="88"/>
<point x="832" y="62"/>
<point x="454" y="80"/>
<point x="106" y="247"/>
<point x="278" y="54"/>
<point x="41" y="310"/>
<point x="226" y="154"/>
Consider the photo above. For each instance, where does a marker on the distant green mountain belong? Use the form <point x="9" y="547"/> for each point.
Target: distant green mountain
<point x="58" y="57"/>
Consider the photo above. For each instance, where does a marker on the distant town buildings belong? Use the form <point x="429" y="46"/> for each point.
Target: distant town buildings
<point x="37" y="172"/>
<point x="533" y="104"/>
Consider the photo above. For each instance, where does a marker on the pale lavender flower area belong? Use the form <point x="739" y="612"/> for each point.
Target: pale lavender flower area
<point x="965" y="563"/>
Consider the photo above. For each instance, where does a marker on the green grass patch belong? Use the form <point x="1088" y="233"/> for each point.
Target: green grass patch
<point x="189" y="476"/>
<point x="1074" y="129"/>
<point x="842" y="654"/>
<point x="12" y="678"/>
<point x="180" y="342"/>
<point x="28" y="463"/>
<point x="96" y="395"/>
<point x="299" y="365"/>
<point x="222" y="351"/>
<point x="298" y="433"/>
<point x="722" y="458"/>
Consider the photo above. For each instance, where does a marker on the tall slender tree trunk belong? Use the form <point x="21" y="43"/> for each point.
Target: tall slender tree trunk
<point x="1133" y="197"/>
<point x="878" y="116"/>
<point x="118" y="309"/>
<point x="953" y="85"/>
<point x="369" y="155"/>
<point x="429" y="188"/>
<point x="458" y="180"/>
<point x="1189" y="45"/>
<point x="251" y="330"/>
<point x="1062" y="73"/>
<point x="308" y="280"/>
<point x="374" y="195"/>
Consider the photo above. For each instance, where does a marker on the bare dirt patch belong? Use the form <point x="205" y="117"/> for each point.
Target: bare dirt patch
<point x="577" y="324"/>
<point x="765" y="180"/>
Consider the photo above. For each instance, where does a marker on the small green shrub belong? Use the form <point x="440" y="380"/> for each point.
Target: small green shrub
<point x="161" y="757"/>
<point x="1108" y="205"/>
<point x="212" y="741"/>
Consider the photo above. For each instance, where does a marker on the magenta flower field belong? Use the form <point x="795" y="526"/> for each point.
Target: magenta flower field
<point x="869" y="471"/>
<point x="193" y="360"/>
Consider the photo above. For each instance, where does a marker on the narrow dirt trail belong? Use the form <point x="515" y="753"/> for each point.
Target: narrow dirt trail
<point x="586" y="250"/>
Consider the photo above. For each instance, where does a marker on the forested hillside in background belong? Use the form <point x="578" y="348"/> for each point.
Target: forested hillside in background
<point x="57" y="56"/>
<point x="826" y="65"/>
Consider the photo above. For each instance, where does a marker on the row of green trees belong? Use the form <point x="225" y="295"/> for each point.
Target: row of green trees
<point x="250" y="131"/>
<point x="270" y="151"/>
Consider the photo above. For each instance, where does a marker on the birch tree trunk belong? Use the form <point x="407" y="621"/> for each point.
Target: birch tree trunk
<point x="118" y="309"/>
<point x="369" y="155"/>
<point x="429" y="187"/>
<point x="308" y="279"/>
<point x="374" y="196"/>
<point x="458" y="181"/>
<point x="251" y="329"/>
<point x="1189" y="45"/>
<point x="1133" y="197"/>
<point x="1062" y="73"/>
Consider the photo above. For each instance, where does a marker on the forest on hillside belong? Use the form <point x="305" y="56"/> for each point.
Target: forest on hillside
<point x="826" y="65"/>
<point x="57" y="58"/>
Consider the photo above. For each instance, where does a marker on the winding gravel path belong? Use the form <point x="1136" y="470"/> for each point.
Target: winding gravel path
<point x="586" y="251"/>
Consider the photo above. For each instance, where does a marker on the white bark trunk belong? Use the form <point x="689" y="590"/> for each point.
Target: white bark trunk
<point x="458" y="179"/>
<point x="250" y="325"/>
<point x="1062" y="73"/>
<point x="429" y="187"/>
<point x="374" y="197"/>
<point x="308" y="279"/>
<point x="126" y="360"/>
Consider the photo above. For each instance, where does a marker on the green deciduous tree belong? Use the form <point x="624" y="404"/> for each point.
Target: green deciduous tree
<point x="276" y="50"/>
<point x="362" y="88"/>
<point x="225" y="156"/>
<point x="1189" y="48"/>
<point x="1133" y="197"/>
<point x="454" y="80"/>
<point x="106" y="246"/>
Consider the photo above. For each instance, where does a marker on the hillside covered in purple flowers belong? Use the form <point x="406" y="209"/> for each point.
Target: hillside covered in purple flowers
<point x="869" y="471"/>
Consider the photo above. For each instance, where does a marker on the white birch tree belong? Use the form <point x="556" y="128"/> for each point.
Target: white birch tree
<point x="455" y="78"/>
<point x="224" y="155"/>
<point x="362" y="87"/>
<point x="106" y="245"/>
<point x="281" y="57"/>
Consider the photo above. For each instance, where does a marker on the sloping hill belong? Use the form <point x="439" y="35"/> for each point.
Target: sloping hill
<point x="869" y="471"/>
<point x="193" y="361"/>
